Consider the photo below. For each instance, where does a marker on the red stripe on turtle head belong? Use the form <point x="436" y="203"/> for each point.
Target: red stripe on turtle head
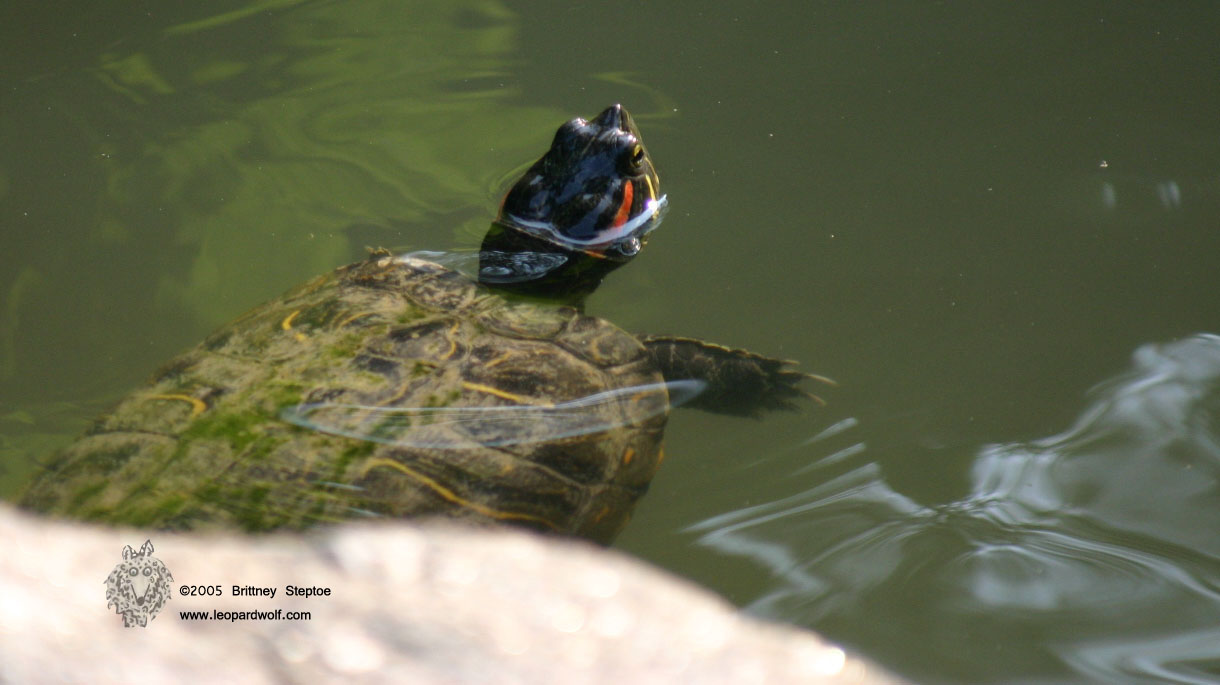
<point x="624" y="209"/>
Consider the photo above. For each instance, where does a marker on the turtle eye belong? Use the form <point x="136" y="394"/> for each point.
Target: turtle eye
<point x="636" y="158"/>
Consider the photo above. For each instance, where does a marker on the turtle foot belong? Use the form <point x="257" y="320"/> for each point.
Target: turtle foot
<point x="739" y="382"/>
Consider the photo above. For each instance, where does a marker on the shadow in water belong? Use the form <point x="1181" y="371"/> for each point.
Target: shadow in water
<point x="1090" y="554"/>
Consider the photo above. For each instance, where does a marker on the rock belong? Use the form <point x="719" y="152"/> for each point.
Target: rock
<point x="407" y="603"/>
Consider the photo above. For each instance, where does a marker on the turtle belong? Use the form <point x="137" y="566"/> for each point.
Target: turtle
<point x="403" y="386"/>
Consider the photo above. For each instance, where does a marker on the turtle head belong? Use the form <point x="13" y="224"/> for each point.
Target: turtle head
<point x="594" y="191"/>
<point x="588" y="203"/>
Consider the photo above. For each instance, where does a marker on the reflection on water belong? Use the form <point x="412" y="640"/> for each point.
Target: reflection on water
<point x="171" y="177"/>
<point x="1113" y="195"/>
<point x="1101" y="545"/>
<point x="457" y="428"/>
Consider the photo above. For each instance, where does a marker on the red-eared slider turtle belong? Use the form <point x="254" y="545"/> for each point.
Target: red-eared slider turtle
<point x="397" y="386"/>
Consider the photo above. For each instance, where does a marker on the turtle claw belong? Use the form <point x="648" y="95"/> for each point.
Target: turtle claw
<point x="821" y="379"/>
<point x="811" y="397"/>
<point x="739" y="382"/>
<point x="814" y="377"/>
<point x="784" y="381"/>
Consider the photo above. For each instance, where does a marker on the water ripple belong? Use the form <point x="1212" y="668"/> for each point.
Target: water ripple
<point x="1092" y="553"/>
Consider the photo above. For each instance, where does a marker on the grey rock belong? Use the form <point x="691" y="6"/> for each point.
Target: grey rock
<point x="409" y="603"/>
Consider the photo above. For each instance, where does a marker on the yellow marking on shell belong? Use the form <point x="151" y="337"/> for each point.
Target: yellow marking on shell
<point x="198" y="406"/>
<point x="452" y="343"/>
<point x="479" y="387"/>
<point x="316" y="284"/>
<point x="402" y="392"/>
<point x="645" y="395"/>
<point x="353" y="317"/>
<point x="301" y="337"/>
<point x="286" y="324"/>
<point x="601" y="514"/>
<point x="628" y="455"/>
<point x="498" y="360"/>
<point x="595" y="350"/>
<point x="641" y="395"/>
<point x="451" y="496"/>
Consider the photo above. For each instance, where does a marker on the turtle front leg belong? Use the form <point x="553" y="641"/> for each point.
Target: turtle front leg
<point x="739" y="382"/>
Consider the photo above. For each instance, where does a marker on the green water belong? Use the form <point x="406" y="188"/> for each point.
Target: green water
<point x="967" y="214"/>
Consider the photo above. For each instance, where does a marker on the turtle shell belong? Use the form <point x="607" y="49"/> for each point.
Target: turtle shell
<point x="204" y="444"/>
